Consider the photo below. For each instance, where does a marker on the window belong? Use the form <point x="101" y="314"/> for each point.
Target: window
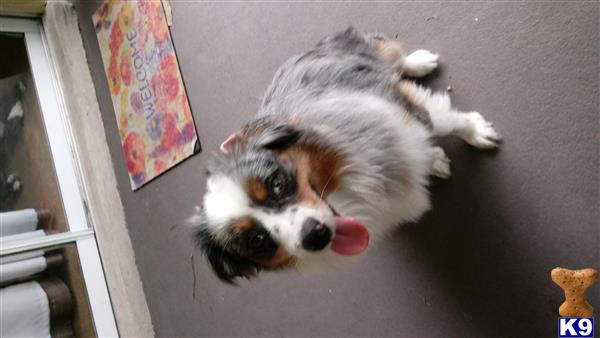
<point x="47" y="244"/>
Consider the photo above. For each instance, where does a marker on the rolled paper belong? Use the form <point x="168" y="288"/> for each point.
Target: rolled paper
<point x="16" y="222"/>
<point x="24" y="311"/>
<point x="21" y="256"/>
<point x="22" y="269"/>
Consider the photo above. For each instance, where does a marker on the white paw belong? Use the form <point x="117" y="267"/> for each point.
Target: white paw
<point x="480" y="133"/>
<point x="420" y="63"/>
<point x="440" y="163"/>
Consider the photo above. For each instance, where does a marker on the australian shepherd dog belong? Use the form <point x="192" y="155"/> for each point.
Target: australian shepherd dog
<point x="340" y="152"/>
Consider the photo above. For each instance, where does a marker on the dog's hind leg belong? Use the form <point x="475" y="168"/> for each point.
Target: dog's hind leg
<point x="471" y="127"/>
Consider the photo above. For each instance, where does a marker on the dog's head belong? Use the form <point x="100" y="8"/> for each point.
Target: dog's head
<point x="265" y="204"/>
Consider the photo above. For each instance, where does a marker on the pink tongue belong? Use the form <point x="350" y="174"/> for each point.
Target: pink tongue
<point x="351" y="237"/>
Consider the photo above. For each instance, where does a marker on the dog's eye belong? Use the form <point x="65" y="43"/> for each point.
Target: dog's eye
<point x="277" y="184"/>
<point x="258" y="240"/>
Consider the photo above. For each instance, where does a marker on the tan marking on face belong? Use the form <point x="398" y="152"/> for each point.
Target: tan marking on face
<point x="324" y="167"/>
<point x="316" y="173"/>
<point x="256" y="189"/>
<point x="241" y="225"/>
<point x="282" y="259"/>
<point x="306" y="193"/>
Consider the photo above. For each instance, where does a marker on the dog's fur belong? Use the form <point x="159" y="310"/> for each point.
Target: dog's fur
<point x="339" y="131"/>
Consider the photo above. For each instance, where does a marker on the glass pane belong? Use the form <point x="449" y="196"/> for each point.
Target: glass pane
<point x="42" y="293"/>
<point x="30" y="200"/>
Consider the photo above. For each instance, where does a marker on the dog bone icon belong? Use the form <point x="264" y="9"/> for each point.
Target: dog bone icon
<point x="575" y="283"/>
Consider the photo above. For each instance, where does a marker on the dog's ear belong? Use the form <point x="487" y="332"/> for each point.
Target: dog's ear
<point x="231" y="142"/>
<point x="227" y="266"/>
<point x="279" y="137"/>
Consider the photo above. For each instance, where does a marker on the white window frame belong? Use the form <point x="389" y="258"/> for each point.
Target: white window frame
<point x="81" y="231"/>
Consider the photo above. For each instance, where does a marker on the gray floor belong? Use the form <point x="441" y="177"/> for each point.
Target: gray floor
<point x="479" y="263"/>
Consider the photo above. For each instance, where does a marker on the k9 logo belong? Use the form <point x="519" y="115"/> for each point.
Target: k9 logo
<point x="575" y="327"/>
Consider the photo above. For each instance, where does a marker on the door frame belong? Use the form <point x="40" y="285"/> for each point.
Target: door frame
<point x="82" y="119"/>
<point x="80" y="230"/>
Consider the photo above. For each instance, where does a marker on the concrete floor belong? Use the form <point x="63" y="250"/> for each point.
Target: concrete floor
<point x="479" y="263"/>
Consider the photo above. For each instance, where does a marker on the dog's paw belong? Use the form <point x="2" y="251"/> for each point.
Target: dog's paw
<point x="440" y="163"/>
<point x="480" y="133"/>
<point x="420" y="63"/>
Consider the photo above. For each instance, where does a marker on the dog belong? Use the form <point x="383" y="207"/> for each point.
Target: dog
<point x="340" y="152"/>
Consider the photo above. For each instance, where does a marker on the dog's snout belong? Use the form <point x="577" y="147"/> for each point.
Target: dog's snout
<point x="315" y="235"/>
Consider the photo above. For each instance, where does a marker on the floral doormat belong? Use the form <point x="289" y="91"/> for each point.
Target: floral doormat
<point x="151" y="106"/>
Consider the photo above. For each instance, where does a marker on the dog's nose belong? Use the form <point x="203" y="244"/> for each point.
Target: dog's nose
<point x="315" y="235"/>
